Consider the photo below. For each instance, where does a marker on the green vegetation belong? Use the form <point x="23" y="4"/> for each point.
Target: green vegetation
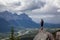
<point x="30" y="34"/>
<point x="12" y="34"/>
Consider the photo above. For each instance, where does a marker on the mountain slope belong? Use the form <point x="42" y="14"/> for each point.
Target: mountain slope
<point x="17" y="21"/>
<point x="50" y="25"/>
<point x="7" y="19"/>
<point x="4" y="25"/>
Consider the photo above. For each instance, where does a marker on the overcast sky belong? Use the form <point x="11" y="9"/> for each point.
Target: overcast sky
<point x="49" y="10"/>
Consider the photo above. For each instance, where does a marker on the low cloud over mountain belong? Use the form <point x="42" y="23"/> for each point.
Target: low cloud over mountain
<point x="7" y="19"/>
<point x="49" y="10"/>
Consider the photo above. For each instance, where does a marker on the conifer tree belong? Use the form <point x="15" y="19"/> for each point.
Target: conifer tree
<point x="12" y="34"/>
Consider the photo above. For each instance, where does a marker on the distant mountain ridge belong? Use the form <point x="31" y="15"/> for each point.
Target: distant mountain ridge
<point x="4" y="25"/>
<point x="7" y="19"/>
<point x="51" y="25"/>
<point x="17" y="21"/>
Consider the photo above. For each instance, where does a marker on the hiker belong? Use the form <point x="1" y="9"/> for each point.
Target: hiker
<point x="42" y="22"/>
<point x="43" y="34"/>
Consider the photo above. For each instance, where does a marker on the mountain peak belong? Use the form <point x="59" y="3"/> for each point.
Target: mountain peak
<point x="24" y="14"/>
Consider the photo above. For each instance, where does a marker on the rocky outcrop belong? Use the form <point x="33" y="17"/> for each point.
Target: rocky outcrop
<point x="58" y="35"/>
<point x="43" y="35"/>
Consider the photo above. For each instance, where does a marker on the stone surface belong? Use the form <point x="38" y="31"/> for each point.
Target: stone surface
<point x="58" y="36"/>
<point x="43" y="35"/>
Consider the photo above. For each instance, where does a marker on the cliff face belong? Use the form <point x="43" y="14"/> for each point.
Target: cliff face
<point x="43" y="35"/>
<point x="58" y="35"/>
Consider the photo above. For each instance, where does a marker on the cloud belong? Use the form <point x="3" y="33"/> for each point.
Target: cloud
<point x="42" y="16"/>
<point x="36" y="9"/>
<point x="7" y="5"/>
<point x="21" y="5"/>
<point x="50" y="12"/>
